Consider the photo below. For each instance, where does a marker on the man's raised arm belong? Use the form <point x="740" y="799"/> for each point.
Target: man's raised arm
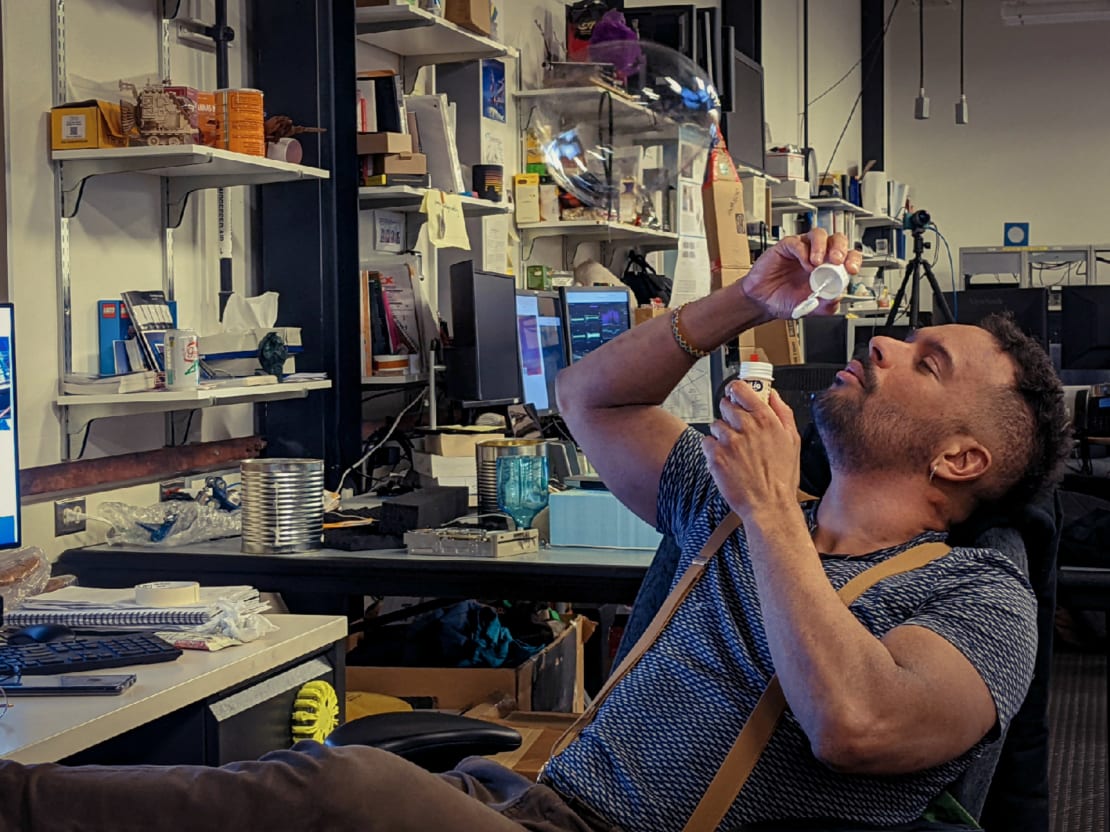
<point x="611" y="398"/>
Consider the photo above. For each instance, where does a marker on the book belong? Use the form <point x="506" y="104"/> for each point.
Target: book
<point x="383" y="180"/>
<point x="150" y="317"/>
<point x="78" y="384"/>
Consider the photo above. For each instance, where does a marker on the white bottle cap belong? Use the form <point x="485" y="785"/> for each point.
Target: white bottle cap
<point x="829" y="281"/>
<point x="757" y="369"/>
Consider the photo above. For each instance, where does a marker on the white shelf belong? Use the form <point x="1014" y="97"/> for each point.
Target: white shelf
<point x="789" y="205"/>
<point x="883" y="262"/>
<point x="748" y="170"/>
<point x="188" y="167"/>
<point x="395" y="381"/>
<point x="407" y="199"/>
<point x="85" y="408"/>
<point x="415" y="33"/>
<point x="583" y="103"/>
<point x="878" y="221"/>
<point x="840" y="205"/>
<point x="612" y="232"/>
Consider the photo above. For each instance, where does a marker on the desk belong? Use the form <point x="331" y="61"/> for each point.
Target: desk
<point x="176" y="712"/>
<point x="555" y="574"/>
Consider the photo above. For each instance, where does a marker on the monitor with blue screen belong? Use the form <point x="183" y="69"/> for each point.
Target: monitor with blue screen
<point x="9" y="452"/>
<point x="539" y="325"/>
<point x="594" y="315"/>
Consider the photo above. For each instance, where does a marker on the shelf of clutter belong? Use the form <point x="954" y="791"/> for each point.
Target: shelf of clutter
<point x="837" y="204"/>
<point x="85" y="408"/>
<point x="881" y="261"/>
<point x="187" y="167"/>
<point x="790" y="205"/>
<point x="407" y="199"/>
<point x="592" y="103"/>
<point x="600" y="231"/>
<point x="395" y="381"/>
<point x="877" y="221"/>
<point x="428" y="38"/>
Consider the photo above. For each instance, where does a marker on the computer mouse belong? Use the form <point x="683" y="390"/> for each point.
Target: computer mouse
<point x="39" y="633"/>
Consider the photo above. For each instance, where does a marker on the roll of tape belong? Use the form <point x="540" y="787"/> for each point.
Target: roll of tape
<point x="167" y="593"/>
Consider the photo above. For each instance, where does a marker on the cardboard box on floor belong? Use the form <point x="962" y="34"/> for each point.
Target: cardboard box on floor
<point x="539" y="731"/>
<point x="551" y="680"/>
<point x="726" y="226"/>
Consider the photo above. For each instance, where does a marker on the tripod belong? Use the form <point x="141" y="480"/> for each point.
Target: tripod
<point x="913" y="271"/>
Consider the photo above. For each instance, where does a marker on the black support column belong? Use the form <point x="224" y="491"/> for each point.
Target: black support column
<point x="306" y="240"/>
<point x="872" y="114"/>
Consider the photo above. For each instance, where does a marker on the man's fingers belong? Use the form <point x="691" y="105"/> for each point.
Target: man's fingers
<point x="783" y="411"/>
<point x="854" y="261"/>
<point x="796" y="248"/>
<point x="720" y="431"/>
<point x="743" y="396"/>
<point x="818" y="246"/>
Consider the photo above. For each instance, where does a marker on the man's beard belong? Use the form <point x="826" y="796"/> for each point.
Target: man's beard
<point x="862" y="431"/>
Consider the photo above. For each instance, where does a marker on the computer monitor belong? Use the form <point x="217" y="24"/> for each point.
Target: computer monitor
<point x="744" y="122"/>
<point x="482" y="359"/>
<point x="594" y="315"/>
<point x="1085" y="328"/>
<point x="1029" y="308"/>
<point x="543" y="352"/>
<point x="862" y="330"/>
<point x="9" y="447"/>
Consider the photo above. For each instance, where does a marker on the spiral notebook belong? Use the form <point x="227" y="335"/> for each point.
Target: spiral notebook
<point x="84" y="607"/>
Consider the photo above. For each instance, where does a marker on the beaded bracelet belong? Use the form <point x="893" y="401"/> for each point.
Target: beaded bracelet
<point x="680" y="339"/>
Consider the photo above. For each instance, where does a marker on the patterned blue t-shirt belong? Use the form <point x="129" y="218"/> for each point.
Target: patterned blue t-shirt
<point x="660" y="737"/>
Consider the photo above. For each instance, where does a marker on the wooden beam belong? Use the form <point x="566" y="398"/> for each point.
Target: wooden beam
<point x="85" y="475"/>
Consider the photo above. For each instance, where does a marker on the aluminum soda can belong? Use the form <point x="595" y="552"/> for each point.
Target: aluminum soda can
<point x="182" y="359"/>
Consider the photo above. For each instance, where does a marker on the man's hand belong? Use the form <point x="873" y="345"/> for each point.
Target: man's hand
<point x="754" y="452"/>
<point x="779" y="280"/>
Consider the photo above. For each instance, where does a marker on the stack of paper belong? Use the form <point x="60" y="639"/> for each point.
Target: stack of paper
<point x="82" y="607"/>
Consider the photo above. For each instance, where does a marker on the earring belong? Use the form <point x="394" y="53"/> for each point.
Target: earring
<point x="932" y="472"/>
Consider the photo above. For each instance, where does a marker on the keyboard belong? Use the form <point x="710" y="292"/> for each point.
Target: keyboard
<point x="84" y="653"/>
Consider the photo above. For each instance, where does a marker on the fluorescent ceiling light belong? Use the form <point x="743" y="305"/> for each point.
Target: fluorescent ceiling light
<point x="1021" y="13"/>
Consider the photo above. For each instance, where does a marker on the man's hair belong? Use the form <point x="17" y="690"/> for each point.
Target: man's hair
<point x="1029" y="418"/>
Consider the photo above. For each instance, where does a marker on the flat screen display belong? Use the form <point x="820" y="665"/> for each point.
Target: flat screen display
<point x="543" y="353"/>
<point x="744" y="123"/>
<point x="9" y="451"/>
<point x="594" y="316"/>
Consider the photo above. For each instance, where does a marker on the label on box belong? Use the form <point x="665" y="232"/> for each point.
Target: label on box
<point x="73" y="128"/>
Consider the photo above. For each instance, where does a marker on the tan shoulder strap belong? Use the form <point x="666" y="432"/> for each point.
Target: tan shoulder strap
<point x="757" y="731"/>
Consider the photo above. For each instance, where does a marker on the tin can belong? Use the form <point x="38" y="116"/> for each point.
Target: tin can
<point x="240" y="120"/>
<point x="182" y="359"/>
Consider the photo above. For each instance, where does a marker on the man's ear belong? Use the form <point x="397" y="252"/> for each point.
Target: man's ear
<point x="962" y="460"/>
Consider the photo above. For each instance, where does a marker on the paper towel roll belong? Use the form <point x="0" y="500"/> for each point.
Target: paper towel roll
<point x="167" y="593"/>
<point x="874" y="195"/>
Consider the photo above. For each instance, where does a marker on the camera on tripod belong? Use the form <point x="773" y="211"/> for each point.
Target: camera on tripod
<point x="916" y="221"/>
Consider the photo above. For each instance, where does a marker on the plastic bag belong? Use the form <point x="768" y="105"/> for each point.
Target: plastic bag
<point x="173" y="523"/>
<point x="22" y="573"/>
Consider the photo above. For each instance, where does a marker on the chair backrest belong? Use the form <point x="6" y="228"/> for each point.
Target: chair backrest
<point x="1016" y="797"/>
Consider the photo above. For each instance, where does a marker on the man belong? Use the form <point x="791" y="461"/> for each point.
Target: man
<point x="887" y="701"/>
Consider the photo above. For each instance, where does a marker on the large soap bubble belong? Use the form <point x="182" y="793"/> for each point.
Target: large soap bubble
<point x="641" y="93"/>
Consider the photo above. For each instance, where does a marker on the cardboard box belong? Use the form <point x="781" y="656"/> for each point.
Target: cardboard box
<point x="461" y="440"/>
<point x="472" y="15"/>
<point x="393" y="163"/>
<point x="643" y="314"/>
<point x="726" y="226"/>
<point x="720" y="278"/>
<point x="370" y="144"/>
<point x="526" y="197"/>
<point x="786" y="165"/>
<point x="539" y="731"/>
<point x="790" y="189"/>
<point x="551" y="680"/>
<point x="86" y="125"/>
<point x="781" y="341"/>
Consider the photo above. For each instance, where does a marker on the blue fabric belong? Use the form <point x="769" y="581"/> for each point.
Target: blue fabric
<point x="662" y="734"/>
<point x="470" y="635"/>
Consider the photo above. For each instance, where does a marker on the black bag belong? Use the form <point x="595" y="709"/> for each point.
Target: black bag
<point x="645" y="282"/>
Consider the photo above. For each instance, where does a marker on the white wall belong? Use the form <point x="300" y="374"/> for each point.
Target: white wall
<point x="834" y="34"/>
<point x="116" y="237"/>
<point x="1035" y="148"/>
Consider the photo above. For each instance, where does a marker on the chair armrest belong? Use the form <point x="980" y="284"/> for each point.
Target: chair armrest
<point x="432" y="740"/>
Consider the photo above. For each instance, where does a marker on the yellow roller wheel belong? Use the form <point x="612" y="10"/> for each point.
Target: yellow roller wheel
<point x="315" y="711"/>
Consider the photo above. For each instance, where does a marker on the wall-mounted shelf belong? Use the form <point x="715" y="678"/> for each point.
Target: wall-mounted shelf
<point x="423" y="37"/>
<point x="84" y="408"/>
<point x="837" y="204"/>
<point x="749" y="171"/>
<point x="187" y="168"/>
<point x="585" y="103"/>
<point x="878" y="221"/>
<point x="883" y="262"/>
<point x="408" y="199"/>
<point x="610" y="232"/>
<point x="395" y="381"/>
<point x="789" y="205"/>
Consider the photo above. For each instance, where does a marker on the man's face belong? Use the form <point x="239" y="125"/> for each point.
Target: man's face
<point x="892" y="409"/>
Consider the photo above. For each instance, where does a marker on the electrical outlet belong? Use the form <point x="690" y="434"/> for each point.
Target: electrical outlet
<point x="69" y="516"/>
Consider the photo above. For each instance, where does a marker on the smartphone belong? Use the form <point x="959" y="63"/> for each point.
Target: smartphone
<point x="108" y="685"/>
